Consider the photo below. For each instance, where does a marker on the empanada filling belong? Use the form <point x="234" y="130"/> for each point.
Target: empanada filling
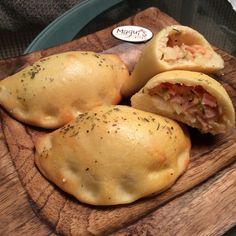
<point x="179" y="48"/>
<point x="193" y="103"/>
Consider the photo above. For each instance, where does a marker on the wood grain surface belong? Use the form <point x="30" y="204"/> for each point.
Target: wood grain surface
<point x="189" y="207"/>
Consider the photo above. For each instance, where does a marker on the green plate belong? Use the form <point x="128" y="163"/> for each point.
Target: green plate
<point x="66" y="26"/>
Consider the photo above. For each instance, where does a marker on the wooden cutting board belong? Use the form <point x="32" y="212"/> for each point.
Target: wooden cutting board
<point x="202" y="202"/>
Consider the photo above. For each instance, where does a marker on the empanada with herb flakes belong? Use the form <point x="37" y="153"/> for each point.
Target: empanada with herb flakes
<point x="57" y="88"/>
<point x="173" y="48"/>
<point x="114" y="155"/>
<point x="190" y="97"/>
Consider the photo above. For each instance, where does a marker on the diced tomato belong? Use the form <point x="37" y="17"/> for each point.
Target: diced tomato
<point x="194" y="102"/>
<point x="188" y="48"/>
<point x="199" y="49"/>
<point x="167" y="87"/>
<point x="173" y="51"/>
<point x="199" y="90"/>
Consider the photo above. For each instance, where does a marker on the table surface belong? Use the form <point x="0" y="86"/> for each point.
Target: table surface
<point x="12" y="194"/>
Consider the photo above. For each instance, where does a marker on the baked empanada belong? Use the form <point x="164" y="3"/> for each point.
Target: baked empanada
<point x="114" y="155"/>
<point x="174" y="47"/>
<point x="190" y="97"/>
<point x="57" y="88"/>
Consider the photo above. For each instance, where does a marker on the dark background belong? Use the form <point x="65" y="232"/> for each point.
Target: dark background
<point x="22" y="20"/>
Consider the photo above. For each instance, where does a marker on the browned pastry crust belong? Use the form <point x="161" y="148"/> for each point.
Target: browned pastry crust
<point x="114" y="155"/>
<point x="57" y="88"/>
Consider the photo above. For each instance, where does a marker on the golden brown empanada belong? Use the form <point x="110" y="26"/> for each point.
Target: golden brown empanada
<point x="57" y="88"/>
<point x="174" y="47"/>
<point x="190" y="97"/>
<point x="114" y="155"/>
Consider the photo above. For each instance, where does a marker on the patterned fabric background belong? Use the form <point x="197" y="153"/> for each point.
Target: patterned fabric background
<point x="22" y="20"/>
<point x="19" y="13"/>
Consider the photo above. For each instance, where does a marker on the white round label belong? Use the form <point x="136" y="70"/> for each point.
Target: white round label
<point x="132" y="33"/>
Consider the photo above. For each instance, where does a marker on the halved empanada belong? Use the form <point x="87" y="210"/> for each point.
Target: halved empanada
<point x="190" y="97"/>
<point x="57" y="88"/>
<point x="174" y="47"/>
<point x="114" y="155"/>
